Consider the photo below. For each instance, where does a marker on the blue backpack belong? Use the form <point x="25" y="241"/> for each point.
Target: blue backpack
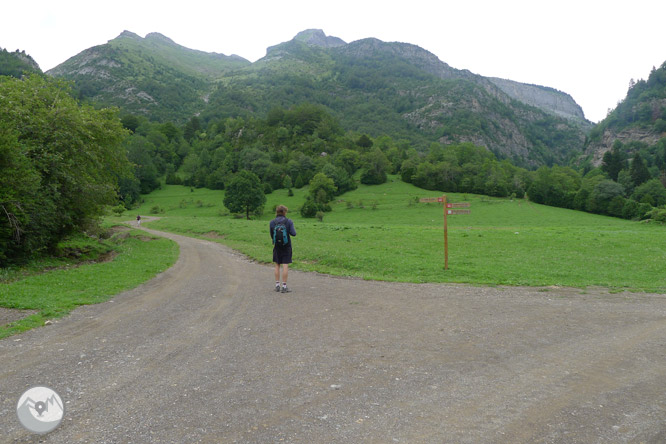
<point x="280" y="237"/>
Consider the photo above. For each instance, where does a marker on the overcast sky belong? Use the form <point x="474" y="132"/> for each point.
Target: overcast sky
<point x="589" y="49"/>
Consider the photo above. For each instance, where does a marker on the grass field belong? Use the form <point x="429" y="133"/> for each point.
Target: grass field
<point x="381" y="232"/>
<point x="53" y="293"/>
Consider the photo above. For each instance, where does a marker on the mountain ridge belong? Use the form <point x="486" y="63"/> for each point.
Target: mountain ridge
<point x="17" y="63"/>
<point x="407" y="85"/>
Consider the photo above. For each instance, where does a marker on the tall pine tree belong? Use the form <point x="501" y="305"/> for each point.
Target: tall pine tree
<point x="639" y="171"/>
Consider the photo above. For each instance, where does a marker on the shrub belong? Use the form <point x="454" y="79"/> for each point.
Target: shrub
<point x="309" y="208"/>
<point x="118" y="210"/>
<point x="657" y="215"/>
<point x="630" y="209"/>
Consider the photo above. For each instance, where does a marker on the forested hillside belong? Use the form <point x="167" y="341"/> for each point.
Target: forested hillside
<point x="625" y="158"/>
<point x="152" y="76"/>
<point x="369" y="86"/>
<point x="17" y="64"/>
<point x="637" y="124"/>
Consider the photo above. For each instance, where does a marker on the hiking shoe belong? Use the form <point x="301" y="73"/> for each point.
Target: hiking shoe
<point x="277" y="288"/>
<point x="285" y="289"/>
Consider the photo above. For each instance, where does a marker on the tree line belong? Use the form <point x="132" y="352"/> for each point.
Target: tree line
<point x="62" y="163"/>
<point x="305" y="146"/>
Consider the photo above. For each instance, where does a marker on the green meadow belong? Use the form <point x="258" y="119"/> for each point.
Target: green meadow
<point x="382" y="232"/>
<point x="54" y="287"/>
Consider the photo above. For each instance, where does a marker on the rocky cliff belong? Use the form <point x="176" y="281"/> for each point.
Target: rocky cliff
<point x="547" y="99"/>
<point x="598" y="148"/>
<point x="639" y="119"/>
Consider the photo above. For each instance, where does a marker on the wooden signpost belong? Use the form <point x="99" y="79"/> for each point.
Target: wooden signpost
<point x="450" y="208"/>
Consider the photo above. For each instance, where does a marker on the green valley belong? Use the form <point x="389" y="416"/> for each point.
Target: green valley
<point x="381" y="232"/>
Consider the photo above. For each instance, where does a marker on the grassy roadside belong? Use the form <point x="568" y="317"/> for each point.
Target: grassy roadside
<point x="381" y="232"/>
<point x="138" y="257"/>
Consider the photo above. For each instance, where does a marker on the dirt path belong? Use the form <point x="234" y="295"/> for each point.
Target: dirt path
<point x="207" y="352"/>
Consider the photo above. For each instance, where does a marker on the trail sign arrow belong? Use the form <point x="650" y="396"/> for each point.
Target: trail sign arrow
<point x="448" y="210"/>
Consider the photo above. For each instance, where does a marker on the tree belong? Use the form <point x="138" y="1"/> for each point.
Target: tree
<point x="556" y="186"/>
<point x="613" y="161"/>
<point x="130" y="122"/>
<point x="603" y="194"/>
<point x="651" y="192"/>
<point x="348" y="159"/>
<point x="141" y="153"/>
<point x="322" y="188"/>
<point x="245" y="194"/>
<point x="191" y="127"/>
<point x="376" y="165"/>
<point x="364" y="141"/>
<point x="74" y="149"/>
<point x="639" y="171"/>
<point x="342" y="180"/>
<point x="19" y="194"/>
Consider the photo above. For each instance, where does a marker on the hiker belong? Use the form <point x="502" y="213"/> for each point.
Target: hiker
<point x="138" y="220"/>
<point x="281" y="230"/>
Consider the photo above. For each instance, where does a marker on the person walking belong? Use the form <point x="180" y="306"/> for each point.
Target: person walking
<point x="282" y="229"/>
<point x="138" y="220"/>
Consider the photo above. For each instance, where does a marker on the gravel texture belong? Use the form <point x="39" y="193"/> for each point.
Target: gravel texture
<point x="207" y="352"/>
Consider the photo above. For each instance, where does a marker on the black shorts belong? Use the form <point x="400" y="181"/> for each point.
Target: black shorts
<point x="282" y="255"/>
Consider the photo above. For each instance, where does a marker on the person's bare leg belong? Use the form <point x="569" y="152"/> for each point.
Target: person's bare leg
<point x="277" y="272"/>
<point x="285" y="273"/>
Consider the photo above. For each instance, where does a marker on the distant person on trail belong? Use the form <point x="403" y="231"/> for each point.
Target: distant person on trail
<point x="282" y="229"/>
<point x="138" y="220"/>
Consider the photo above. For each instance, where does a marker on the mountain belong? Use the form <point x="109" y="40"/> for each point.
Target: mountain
<point x="371" y="86"/>
<point x="638" y="121"/>
<point x="151" y="75"/>
<point x="547" y="99"/>
<point x="314" y="37"/>
<point x="17" y="64"/>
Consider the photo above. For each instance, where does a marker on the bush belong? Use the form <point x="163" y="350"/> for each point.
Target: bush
<point x="371" y="176"/>
<point x="643" y="210"/>
<point x="309" y="208"/>
<point x="652" y="192"/>
<point x="657" y="215"/>
<point x="118" y="210"/>
<point x="630" y="209"/>
<point x="173" y="179"/>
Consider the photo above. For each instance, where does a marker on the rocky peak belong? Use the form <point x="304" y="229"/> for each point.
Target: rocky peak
<point x="129" y="35"/>
<point x="160" y="38"/>
<point x="316" y="37"/>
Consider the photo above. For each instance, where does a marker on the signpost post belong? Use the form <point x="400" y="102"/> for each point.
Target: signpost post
<point x="450" y="208"/>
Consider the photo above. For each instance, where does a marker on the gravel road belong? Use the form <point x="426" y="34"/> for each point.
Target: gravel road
<point x="207" y="352"/>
